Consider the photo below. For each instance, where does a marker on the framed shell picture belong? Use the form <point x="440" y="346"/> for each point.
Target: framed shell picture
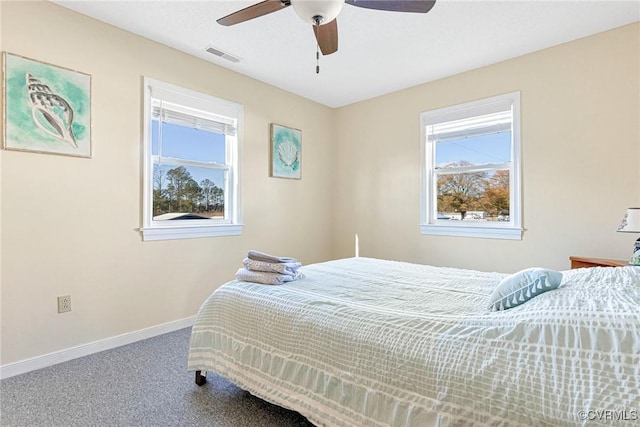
<point x="286" y="152"/>
<point x="47" y="108"/>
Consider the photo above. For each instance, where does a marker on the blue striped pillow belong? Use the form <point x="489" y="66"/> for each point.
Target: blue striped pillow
<point x="520" y="287"/>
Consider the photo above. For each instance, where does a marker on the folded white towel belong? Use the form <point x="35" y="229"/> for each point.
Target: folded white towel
<point x="266" y="278"/>
<point x="261" y="256"/>
<point x="290" y="268"/>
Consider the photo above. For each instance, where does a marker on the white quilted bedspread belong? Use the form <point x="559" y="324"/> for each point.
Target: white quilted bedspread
<point x="366" y="342"/>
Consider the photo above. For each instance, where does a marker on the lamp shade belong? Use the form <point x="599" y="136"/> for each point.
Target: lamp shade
<point x="631" y="221"/>
<point x="323" y="10"/>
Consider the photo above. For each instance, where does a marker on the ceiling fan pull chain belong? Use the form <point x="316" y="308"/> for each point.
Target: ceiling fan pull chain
<point x="317" y="59"/>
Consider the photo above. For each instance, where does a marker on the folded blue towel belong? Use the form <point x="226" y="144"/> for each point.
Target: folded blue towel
<point x="266" y="278"/>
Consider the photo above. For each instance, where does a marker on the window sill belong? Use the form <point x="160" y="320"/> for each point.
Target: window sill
<point x="509" y="233"/>
<point x="170" y="233"/>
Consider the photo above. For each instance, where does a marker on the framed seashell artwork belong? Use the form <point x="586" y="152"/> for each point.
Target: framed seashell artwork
<point x="286" y="152"/>
<point x="47" y="108"/>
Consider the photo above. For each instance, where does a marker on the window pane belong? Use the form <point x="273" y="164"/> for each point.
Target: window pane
<point x="474" y="196"/>
<point x="187" y="143"/>
<point x="155" y="129"/>
<point x="188" y="190"/>
<point x="479" y="150"/>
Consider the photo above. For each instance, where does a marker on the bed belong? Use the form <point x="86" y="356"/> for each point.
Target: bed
<point x="369" y="342"/>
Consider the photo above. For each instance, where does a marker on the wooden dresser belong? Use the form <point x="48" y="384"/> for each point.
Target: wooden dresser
<point x="582" y="262"/>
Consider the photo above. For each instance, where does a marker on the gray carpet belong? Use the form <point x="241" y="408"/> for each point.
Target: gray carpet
<point x="141" y="384"/>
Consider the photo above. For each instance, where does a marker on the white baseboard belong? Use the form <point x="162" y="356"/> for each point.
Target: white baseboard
<point x="56" y="357"/>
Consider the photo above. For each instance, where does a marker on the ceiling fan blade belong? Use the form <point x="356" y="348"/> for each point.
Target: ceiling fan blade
<point x="416" y="6"/>
<point x="260" y="9"/>
<point x="327" y="37"/>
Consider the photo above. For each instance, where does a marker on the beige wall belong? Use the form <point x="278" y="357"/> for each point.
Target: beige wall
<point x="580" y="150"/>
<point x="69" y="224"/>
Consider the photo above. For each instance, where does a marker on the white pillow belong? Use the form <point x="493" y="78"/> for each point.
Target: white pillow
<point x="520" y="287"/>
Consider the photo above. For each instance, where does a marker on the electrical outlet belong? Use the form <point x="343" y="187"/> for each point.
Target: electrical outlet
<point x="64" y="304"/>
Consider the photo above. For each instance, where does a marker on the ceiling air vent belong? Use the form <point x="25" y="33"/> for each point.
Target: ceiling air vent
<point x="221" y="54"/>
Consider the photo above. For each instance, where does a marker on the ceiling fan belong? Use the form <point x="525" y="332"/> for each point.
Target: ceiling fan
<point x="322" y="14"/>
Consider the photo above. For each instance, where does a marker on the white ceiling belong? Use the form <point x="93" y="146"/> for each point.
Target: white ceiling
<point x="379" y="52"/>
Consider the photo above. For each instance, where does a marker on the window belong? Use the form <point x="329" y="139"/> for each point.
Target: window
<point x="191" y="186"/>
<point x="471" y="169"/>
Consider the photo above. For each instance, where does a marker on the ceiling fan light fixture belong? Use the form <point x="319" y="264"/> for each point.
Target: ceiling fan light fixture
<point x="317" y="12"/>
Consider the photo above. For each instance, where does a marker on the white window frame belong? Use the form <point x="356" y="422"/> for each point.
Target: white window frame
<point x="223" y="110"/>
<point x="429" y="224"/>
